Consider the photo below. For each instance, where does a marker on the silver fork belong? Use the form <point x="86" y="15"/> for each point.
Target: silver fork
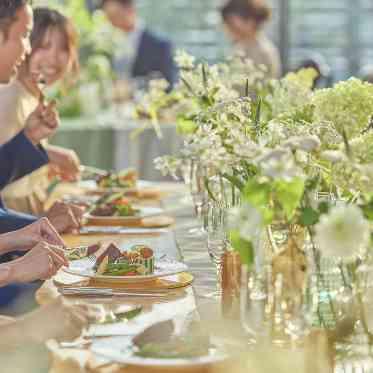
<point x="92" y="258"/>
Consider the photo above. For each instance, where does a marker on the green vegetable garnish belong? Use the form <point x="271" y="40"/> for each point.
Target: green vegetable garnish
<point x="122" y="316"/>
<point x="176" y="348"/>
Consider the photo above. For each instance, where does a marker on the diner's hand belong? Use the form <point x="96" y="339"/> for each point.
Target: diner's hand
<point x="26" y="238"/>
<point x="66" y="218"/>
<point x="64" y="162"/>
<point x="58" y="320"/>
<point x="40" y="263"/>
<point x="42" y="123"/>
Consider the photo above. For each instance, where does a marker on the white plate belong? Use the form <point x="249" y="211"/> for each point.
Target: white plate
<point x="145" y="212"/>
<point x="164" y="267"/>
<point x="118" y="350"/>
<point x="91" y="184"/>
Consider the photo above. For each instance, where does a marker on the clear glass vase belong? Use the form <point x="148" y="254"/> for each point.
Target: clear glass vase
<point x="274" y="303"/>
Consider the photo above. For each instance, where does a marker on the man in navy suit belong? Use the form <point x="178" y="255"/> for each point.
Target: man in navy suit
<point x="142" y="53"/>
<point x="23" y="154"/>
<point x="18" y="158"/>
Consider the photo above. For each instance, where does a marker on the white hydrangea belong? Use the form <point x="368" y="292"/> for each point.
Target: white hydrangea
<point x="247" y="220"/>
<point x="343" y="233"/>
<point x="279" y="164"/>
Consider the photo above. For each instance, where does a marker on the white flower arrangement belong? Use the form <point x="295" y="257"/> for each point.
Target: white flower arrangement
<point x="342" y="233"/>
<point x="279" y="142"/>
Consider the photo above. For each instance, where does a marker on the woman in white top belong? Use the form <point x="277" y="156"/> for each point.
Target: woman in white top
<point x="244" y="20"/>
<point x="54" y="56"/>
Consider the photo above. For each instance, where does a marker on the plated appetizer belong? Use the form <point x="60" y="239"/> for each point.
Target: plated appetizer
<point x="114" y="205"/>
<point x="139" y="260"/>
<point x="124" y="179"/>
<point x="176" y="348"/>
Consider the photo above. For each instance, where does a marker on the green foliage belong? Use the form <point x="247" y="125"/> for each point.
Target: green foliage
<point x="185" y="125"/>
<point x="243" y="247"/>
<point x="368" y="210"/>
<point x="289" y="195"/>
<point x="308" y="217"/>
<point x="256" y="193"/>
<point x="259" y="195"/>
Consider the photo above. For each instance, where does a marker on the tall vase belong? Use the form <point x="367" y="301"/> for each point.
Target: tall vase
<point x="279" y="271"/>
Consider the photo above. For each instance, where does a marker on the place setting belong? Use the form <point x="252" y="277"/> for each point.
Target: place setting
<point x="186" y="186"/>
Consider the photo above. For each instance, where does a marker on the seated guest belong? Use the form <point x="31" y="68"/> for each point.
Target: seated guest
<point x="19" y="157"/>
<point x="23" y="154"/>
<point x="54" y="55"/>
<point x="244" y="21"/>
<point x="143" y="54"/>
<point x="42" y="257"/>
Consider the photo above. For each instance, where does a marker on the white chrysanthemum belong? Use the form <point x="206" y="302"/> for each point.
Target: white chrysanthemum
<point x="247" y="220"/>
<point x="343" y="232"/>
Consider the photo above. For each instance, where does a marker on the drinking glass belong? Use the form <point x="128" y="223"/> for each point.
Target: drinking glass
<point x="198" y="191"/>
<point x="217" y="240"/>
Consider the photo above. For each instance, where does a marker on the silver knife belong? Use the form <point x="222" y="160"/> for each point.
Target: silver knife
<point x="120" y="230"/>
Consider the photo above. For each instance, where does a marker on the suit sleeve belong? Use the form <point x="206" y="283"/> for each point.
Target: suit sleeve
<point x="11" y="220"/>
<point x="168" y="67"/>
<point x="19" y="157"/>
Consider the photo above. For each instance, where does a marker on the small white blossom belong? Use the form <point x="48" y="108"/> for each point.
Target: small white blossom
<point x="247" y="220"/>
<point x="168" y="165"/>
<point x="184" y="60"/>
<point x="279" y="164"/>
<point x="343" y="232"/>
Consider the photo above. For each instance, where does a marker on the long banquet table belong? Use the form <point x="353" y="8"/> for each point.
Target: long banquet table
<point x="189" y="303"/>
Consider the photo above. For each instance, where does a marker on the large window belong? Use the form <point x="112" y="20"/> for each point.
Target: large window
<point x="338" y="31"/>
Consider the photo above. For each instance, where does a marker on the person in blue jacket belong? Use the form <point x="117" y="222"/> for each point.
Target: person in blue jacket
<point x="23" y="154"/>
<point x="143" y="54"/>
<point x="19" y="157"/>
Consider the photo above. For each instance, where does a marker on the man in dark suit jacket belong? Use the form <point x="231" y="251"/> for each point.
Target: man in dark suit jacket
<point x="149" y="55"/>
<point x="18" y="158"/>
<point x="22" y="154"/>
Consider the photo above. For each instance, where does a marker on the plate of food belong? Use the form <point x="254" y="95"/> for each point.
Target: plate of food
<point x="123" y="179"/>
<point x="116" y="208"/>
<point x="137" y="264"/>
<point x="98" y="182"/>
<point x="174" y="352"/>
